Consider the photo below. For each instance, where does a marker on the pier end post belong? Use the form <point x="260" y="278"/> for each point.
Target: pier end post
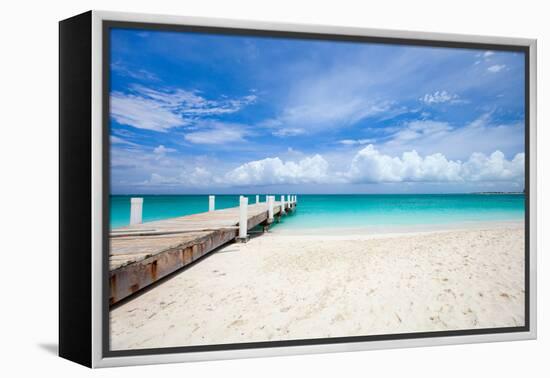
<point x="243" y="220"/>
<point x="270" y="200"/>
<point x="136" y="210"/>
<point x="211" y="203"/>
<point x="257" y="198"/>
<point x="283" y="205"/>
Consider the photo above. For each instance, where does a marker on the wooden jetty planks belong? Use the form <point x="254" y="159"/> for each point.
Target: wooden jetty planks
<point x="144" y="253"/>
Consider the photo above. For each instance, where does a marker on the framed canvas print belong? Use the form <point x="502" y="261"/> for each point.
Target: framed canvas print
<point x="234" y="189"/>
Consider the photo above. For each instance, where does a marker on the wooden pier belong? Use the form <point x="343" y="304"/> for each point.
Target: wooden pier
<point x="143" y="253"/>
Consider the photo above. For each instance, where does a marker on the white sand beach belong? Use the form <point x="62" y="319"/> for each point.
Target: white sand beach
<point x="282" y="286"/>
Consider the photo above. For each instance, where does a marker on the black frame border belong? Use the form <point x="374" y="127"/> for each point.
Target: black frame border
<point x="107" y="25"/>
<point x="75" y="189"/>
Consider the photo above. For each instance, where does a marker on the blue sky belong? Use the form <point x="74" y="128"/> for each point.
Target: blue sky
<point x="200" y="113"/>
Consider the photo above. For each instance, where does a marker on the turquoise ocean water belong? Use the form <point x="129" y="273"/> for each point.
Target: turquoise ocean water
<point x="346" y="211"/>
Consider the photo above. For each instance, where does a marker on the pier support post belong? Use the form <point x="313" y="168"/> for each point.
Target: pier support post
<point x="283" y="211"/>
<point x="257" y="198"/>
<point x="211" y="203"/>
<point x="270" y="200"/>
<point x="136" y="210"/>
<point x="265" y="224"/>
<point x="243" y="220"/>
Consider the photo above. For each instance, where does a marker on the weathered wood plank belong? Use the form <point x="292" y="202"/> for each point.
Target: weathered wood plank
<point x="144" y="253"/>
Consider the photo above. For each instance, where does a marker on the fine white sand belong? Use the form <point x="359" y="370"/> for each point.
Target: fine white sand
<point x="282" y="286"/>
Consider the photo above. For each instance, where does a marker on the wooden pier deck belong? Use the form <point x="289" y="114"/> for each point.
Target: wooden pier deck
<point x="144" y="253"/>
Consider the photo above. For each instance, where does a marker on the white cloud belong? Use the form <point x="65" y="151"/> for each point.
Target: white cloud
<point x="143" y="113"/>
<point x="439" y="97"/>
<point x="354" y="142"/>
<point x="338" y="96"/>
<point x="285" y="132"/>
<point x="487" y="54"/>
<point x="197" y="177"/>
<point x="161" y="110"/>
<point x="496" y="68"/>
<point x="139" y="74"/>
<point x="312" y="169"/>
<point x="161" y="150"/>
<point x="118" y="140"/>
<point x="421" y="129"/>
<point x="481" y="135"/>
<point x="494" y="167"/>
<point x="157" y="168"/>
<point x="371" y="166"/>
<point x="217" y="133"/>
<point x="326" y="113"/>
<point x="334" y="112"/>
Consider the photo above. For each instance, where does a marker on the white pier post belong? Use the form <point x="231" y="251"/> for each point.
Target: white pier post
<point x="136" y="210"/>
<point x="257" y="198"/>
<point x="283" y="205"/>
<point x="270" y="200"/>
<point x="211" y="203"/>
<point x="243" y="220"/>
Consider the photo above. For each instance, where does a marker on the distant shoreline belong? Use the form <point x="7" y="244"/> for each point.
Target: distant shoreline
<point x="498" y="193"/>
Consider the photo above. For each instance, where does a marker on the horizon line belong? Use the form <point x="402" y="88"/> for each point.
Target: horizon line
<point x="309" y="194"/>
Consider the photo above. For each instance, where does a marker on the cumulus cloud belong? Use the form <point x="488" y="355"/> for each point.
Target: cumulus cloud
<point x="161" y="110"/>
<point x="495" y="167"/>
<point x="371" y="166"/>
<point x="312" y="169"/>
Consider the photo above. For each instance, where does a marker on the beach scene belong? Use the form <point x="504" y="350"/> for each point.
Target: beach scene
<point x="278" y="188"/>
